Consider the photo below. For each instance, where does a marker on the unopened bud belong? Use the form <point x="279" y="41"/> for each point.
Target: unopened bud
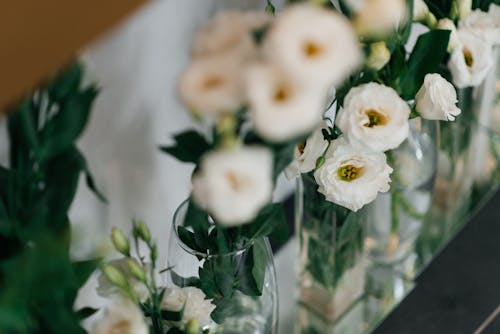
<point x="463" y="8"/>
<point x="154" y="253"/>
<point x="447" y="24"/>
<point x="136" y="270"/>
<point x="115" y="276"/>
<point x="120" y="241"/>
<point x="420" y="10"/>
<point x="143" y="231"/>
<point x="320" y="161"/>
<point x="379" y="55"/>
<point x="192" y="326"/>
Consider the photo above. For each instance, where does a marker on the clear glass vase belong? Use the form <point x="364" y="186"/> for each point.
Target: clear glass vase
<point x="331" y="261"/>
<point x="395" y="219"/>
<point x="227" y="279"/>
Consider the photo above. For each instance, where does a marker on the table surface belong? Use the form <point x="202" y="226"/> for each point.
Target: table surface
<point x="459" y="292"/>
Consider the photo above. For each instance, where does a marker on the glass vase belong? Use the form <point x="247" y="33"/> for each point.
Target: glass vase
<point x="394" y="220"/>
<point x="331" y="261"/>
<point x="228" y="279"/>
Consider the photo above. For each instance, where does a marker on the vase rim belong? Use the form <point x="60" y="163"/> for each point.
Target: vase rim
<point x="176" y="222"/>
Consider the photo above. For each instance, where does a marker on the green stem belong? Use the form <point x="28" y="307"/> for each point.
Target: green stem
<point x="394" y="213"/>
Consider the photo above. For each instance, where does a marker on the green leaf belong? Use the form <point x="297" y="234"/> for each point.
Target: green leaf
<point x="180" y="281"/>
<point x="189" y="146"/>
<point x="283" y="156"/>
<point x="188" y="238"/>
<point x="66" y="83"/>
<point x="67" y="125"/>
<point x="172" y="315"/>
<point x="197" y="218"/>
<point x="85" y="312"/>
<point x="422" y="61"/>
<point x="271" y="221"/>
<point x="260" y="262"/>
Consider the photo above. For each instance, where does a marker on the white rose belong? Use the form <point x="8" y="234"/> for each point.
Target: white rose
<point x="380" y="17"/>
<point x="107" y="289"/>
<point x="196" y="307"/>
<point x="211" y="86"/>
<point x="122" y="318"/>
<point x="484" y="25"/>
<point x="447" y="24"/>
<point x="437" y="98"/>
<point x="230" y="33"/>
<point x="306" y="154"/>
<point x="315" y="45"/>
<point x="352" y="178"/>
<point x="279" y="108"/>
<point x="233" y="185"/>
<point x="464" y="8"/>
<point x="374" y="118"/>
<point x="471" y="61"/>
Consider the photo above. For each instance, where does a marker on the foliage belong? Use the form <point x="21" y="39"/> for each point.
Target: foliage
<point x="36" y="191"/>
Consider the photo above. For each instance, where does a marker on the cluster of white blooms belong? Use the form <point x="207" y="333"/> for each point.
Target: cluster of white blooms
<point x="193" y="301"/>
<point x="121" y="317"/>
<point x="471" y="45"/>
<point x="280" y="70"/>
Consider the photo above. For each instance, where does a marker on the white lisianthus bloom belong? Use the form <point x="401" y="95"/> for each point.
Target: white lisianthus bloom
<point x="279" y="108"/>
<point x="380" y="17"/>
<point x="315" y="45"/>
<point x="107" y="289"/>
<point x="464" y="8"/>
<point x="196" y="307"/>
<point x="484" y="25"/>
<point x="122" y="318"/>
<point x="211" y="86"/>
<point x="447" y="24"/>
<point x="374" y="118"/>
<point x="437" y="98"/>
<point x="234" y="184"/>
<point x="230" y="33"/>
<point x="352" y="178"/>
<point x="471" y="61"/>
<point x="306" y="154"/>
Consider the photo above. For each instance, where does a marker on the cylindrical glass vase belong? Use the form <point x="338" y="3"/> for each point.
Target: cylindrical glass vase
<point x="331" y="261"/>
<point x="394" y="220"/>
<point x="229" y="279"/>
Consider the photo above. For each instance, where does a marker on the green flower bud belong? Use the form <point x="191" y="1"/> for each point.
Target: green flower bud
<point x="115" y="276"/>
<point x="136" y="270"/>
<point x="120" y="241"/>
<point x="154" y="253"/>
<point x="379" y="55"/>
<point x="320" y="161"/>
<point x="143" y="231"/>
<point x="192" y="327"/>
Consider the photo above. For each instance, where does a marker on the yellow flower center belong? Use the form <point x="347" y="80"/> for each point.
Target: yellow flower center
<point x="233" y="180"/>
<point x="212" y="82"/>
<point x="281" y="95"/>
<point x="469" y="60"/>
<point x="375" y="118"/>
<point x="312" y="49"/>
<point x="349" y="172"/>
<point x="120" y="327"/>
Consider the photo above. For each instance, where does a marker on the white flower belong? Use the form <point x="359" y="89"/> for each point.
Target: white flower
<point x="230" y="33"/>
<point x="279" y="108"/>
<point x="306" y="154"/>
<point x="195" y="305"/>
<point x="420" y="10"/>
<point x="106" y="289"/>
<point x="211" y="86"/>
<point x="379" y="55"/>
<point x="315" y="45"/>
<point x="447" y="24"/>
<point x="436" y="99"/>
<point x="352" y="178"/>
<point x="121" y="318"/>
<point x="471" y="61"/>
<point x="464" y="8"/>
<point x="374" y="118"/>
<point x="380" y="17"/>
<point x="484" y="25"/>
<point x="233" y="185"/>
